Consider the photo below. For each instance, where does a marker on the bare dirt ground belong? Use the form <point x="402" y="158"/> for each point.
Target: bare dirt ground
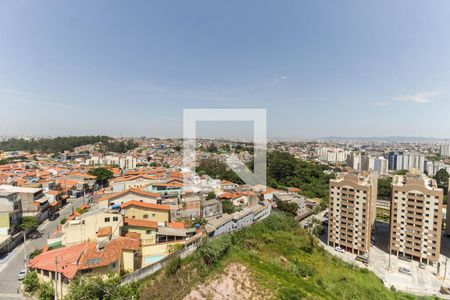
<point x="235" y="282"/>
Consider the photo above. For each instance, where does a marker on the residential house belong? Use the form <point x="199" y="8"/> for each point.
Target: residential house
<point x="10" y="213"/>
<point x="91" y="225"/>
<point x="128" y="195"/>
<point x="146" y="211"/>
<point x="95" y="258"/>
<point x="34" y="202"/>
<point x="211" y="208"/>
<point x="136" y="181"/>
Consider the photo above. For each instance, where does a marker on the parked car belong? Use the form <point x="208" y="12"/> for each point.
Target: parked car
<point x="404" y="271"/>
<point x="54" y="216"/>
<point x="405" y="258"/>
<point x="362" y="258"/>
<point x="339" y="249"/>
<point x="22" y="274"/>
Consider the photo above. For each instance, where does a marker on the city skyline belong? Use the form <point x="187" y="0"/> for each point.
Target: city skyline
<point x="320" y="69"/>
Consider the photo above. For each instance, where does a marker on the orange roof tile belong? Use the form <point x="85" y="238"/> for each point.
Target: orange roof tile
<point x="178" y="225"/>
<point x="140" y="223"/>
<point x="145" y="205"/>
<point x="104" y="231"/>
<point x="131" y="190"/>
<point x="66" y="257"/>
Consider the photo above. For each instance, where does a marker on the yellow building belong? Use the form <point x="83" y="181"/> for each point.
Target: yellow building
<point x="86" y="226"/>
<point x="146" y="211"/>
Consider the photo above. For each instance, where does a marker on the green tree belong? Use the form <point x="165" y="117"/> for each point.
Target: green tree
<point x="384" y="187"/>
<point x="29" y="223"/>
<point x="442" y="178"/>
<point x="31" y="282"/>
<point x="46" y="291"/>
<point x="35" y="253"/>
<point x="401" y="172"/>
<point x="109" y="288"/>
<point x="228" y="206"/>
<point x="289" y="207"/>
<point x="51" y="145"/>
<point x="211" y="195"/>
<point x="102" y="174"/>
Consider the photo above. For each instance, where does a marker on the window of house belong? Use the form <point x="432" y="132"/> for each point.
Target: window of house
<point x="115" y="218"/>
<point x="145" y="216"/>
<point x="113" y="265"/>
<point x="107" y="220"/>
<point x="148" y="231"/>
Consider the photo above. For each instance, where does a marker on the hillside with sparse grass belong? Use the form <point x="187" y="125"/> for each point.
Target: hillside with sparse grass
<point x="274" y="259"/>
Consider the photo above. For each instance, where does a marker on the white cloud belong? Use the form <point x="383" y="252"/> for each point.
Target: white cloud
<point x="279" y="79"/>
<point x="424" y="97"/>
<point x="382" y="103"/>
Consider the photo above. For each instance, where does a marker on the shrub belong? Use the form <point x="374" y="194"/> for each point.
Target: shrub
<point x="35" y="253"/>
<point x="63" y="220"/>
<point x="302" y="270"/>
<point x="46" y="291"/>
<point x="174" y="266"/>
<point x="31" y="282"/>
<point x="213" y="251"/>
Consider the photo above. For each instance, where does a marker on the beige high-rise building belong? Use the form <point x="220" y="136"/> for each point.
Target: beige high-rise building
<point x="352" y="211"/>
<point x="416" y="217"/>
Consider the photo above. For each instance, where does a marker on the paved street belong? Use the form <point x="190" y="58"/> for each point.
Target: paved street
<point x="11" y="264"/>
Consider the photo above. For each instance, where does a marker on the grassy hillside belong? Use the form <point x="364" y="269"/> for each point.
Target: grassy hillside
<point x="284" y="263"/>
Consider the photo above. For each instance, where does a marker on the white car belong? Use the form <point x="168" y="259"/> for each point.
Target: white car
<point x="339" y="249"/>
<point x="22" y="274"/>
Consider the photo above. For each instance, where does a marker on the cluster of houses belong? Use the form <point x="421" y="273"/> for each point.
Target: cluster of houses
<point x="144" y="214"/>
<point x="141" y="217"/>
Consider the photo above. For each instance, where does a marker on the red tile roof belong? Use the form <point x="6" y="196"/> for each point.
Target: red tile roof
<point x="178" y="225"/>
<point x="145" y="205"/>
<point x="131" y="190"/>
<point x="67" y="258"/>
<point x="140" y="223"/>
<point x="104" y="231"/>
<point x="112" y="251"/>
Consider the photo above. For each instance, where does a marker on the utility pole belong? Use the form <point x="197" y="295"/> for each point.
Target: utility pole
<point x="25" y="250"/>
<point x="56" y="278"/>
<point x="445" y="271"/>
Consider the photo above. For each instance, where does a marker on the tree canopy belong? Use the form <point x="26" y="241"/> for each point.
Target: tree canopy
<point x="384" y="187"/>
<point x="102" y="175"/>
<point x="50" y="145"/>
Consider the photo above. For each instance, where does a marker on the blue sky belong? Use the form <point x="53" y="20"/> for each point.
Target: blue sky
<point x="320" y="68"/>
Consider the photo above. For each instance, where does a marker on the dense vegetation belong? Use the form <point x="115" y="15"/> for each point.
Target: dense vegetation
<point x="50" y="145"/>
<point x="284" y="261"/>
<point x="217" y="169"/>
<point x="92" y="288"/>
<point x="118" y="146"/>
<point x="384" y="187"/>
<point x="39" y="289"/>
<point x="102" y="174"/>
<point x="283" y="171"/>
<point x="442" y="178"/>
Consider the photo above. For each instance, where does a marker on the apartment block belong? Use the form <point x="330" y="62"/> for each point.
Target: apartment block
<point x="352" y="211"/>
<point x="416" y="217"/>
